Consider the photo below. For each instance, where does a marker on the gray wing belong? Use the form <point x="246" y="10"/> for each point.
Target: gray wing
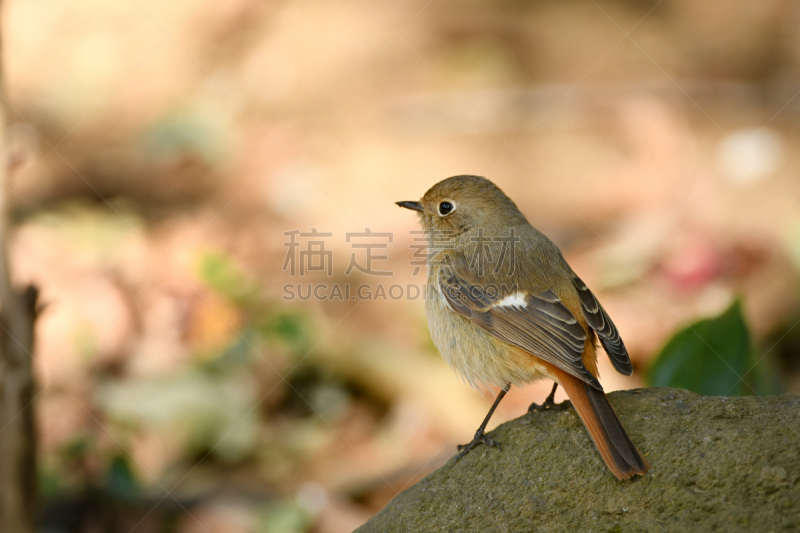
<point x="600" y="322"/>
<point x="538" y="323"/>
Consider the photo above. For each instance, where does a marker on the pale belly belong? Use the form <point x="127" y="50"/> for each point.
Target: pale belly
<point x="474" y="353"/>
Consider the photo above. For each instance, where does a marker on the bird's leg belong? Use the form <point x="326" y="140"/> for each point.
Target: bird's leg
<point x="480" y="436"/>
<point x="549" y="402"/>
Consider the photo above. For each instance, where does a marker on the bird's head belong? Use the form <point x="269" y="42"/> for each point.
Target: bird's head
<point x="458" y="204"/>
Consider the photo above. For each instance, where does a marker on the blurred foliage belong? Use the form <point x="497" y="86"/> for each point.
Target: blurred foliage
<point x="121" y="481"/>
<point x="713" y="357"/>
<point x="201" y="411"/>
<point x="284" y="516"/>
<point x="209" y="407"/>
<point x="197" y="130"/>
<point x="151" y="374"/>
<point x="220" y="273"/>
<point x="784" y="341"/>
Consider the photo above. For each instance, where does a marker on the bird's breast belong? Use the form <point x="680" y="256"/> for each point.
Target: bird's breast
<point x="478" y="356"/>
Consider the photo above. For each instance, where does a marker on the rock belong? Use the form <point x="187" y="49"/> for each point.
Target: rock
<point x="718" y="463"/>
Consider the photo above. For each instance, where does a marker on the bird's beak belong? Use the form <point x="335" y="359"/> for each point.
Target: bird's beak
<point x="415" y="206"/>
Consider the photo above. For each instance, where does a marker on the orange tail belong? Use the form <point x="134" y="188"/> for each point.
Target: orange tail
<point x="604" y="426"/>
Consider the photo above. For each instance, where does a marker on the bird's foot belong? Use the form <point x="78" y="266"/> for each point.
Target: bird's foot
<point x="480" y="438"/>
<point x="549" y="403"/>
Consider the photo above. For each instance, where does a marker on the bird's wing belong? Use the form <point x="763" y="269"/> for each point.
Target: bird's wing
<point x="600" y="322"/>
<point x="536" y="321"/>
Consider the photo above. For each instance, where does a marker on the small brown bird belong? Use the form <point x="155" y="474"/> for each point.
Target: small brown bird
<point x="504" y="308"/>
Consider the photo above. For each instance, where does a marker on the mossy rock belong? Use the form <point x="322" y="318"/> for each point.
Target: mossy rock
<point x="718" y="464"/>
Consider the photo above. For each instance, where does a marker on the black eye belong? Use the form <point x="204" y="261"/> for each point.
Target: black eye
<point x="445" y="208"/>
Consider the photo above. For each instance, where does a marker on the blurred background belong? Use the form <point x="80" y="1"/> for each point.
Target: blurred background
<point x="171" y="162"/>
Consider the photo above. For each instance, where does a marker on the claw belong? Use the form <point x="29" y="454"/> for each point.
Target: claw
<point x="480" y="438"/>
<point x="548" y="404"/>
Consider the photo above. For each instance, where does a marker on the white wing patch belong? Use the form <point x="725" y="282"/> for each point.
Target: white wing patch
<point x="513" y="300"/>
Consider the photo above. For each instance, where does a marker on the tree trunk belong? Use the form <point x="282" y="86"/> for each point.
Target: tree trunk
<point x="17" y="314"/>
<point x="17" y="432"/>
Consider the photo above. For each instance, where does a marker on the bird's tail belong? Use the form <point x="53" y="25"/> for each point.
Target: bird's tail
<point x="611" y="439"/>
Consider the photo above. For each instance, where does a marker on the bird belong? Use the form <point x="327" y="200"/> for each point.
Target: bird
<point x="505" y="309"/>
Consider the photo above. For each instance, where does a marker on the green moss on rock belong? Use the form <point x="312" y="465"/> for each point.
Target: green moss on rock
<point x="718" y="464"/>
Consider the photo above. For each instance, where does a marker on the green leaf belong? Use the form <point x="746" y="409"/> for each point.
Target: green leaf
<point x="120" y="480"/>
<point x="709" y="357"/>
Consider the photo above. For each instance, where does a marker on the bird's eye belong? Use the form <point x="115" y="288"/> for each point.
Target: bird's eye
<point x="445" y="208"/>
